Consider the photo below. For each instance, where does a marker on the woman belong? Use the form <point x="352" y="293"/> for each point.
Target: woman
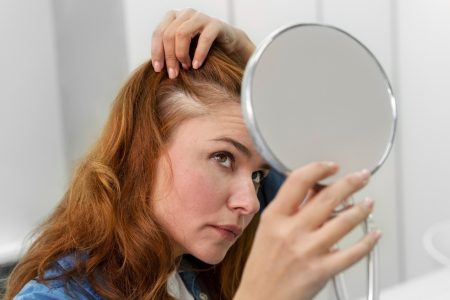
<point x="164" y="206"/>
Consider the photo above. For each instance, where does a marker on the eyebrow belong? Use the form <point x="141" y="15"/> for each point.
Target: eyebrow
<point x="240" y="147"/>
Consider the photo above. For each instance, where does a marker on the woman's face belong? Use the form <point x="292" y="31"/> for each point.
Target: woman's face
<point x="211" y="196"/>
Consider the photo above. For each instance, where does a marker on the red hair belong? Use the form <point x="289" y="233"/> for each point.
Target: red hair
<point x="106" y="211"/>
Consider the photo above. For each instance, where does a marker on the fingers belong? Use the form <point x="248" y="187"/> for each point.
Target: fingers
<point x="173" y="34"/>
<point x="157" y="50"/>
<point x="340" y="260"/>
<point x="309" y="195"/>
<point x="164" y="42"/>
<point x="172" y="38"/>
<point x="334" y="230"/>
<point x="298" y="184"/>
<point x="317" y="212"/>
<point x="205" y="40"/>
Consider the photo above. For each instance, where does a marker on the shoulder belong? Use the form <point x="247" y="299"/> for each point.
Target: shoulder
<point x="36" y="290"/>
<point x="57" y="288"/>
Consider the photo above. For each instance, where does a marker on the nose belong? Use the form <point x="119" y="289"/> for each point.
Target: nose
<point x="243" y="197"/>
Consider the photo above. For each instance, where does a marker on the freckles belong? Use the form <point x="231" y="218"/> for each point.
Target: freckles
<point x="201" y="190"/>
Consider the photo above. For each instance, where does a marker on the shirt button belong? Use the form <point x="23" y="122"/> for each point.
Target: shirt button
<point x="203" y="296"/>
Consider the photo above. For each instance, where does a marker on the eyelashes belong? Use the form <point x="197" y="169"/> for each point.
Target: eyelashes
<point x="227" y="160"/>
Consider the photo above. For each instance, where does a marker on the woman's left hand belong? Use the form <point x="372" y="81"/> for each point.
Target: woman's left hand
<point x="172" y="38"/>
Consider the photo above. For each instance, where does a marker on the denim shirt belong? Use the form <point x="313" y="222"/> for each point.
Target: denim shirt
<point x="57" y="288"/>
<point x="81" y="289"/>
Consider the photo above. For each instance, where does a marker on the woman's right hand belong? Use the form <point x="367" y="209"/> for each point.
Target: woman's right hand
<point x="292" y="256"/>
<point x="172" y="38"/>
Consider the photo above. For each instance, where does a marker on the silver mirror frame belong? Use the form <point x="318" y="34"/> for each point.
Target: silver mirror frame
<point x="248" y="110"/>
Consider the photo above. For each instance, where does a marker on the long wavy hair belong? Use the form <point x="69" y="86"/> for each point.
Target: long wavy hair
<point x="106" y="211"/>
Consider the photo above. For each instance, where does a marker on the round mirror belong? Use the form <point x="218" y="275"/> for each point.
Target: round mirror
<point x="312" y="93"/>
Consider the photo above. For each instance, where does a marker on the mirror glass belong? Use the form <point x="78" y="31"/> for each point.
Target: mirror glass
<point x="313" y="92"/>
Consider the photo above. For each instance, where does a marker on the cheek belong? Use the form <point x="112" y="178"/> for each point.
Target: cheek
<point x="201" y="188"/>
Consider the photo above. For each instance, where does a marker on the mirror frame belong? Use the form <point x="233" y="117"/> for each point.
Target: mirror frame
<point x="247" y="104"/>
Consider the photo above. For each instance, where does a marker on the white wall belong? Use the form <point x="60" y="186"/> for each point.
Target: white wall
<point x="424" y="74"/>
<point x="271" y="15"/>
<point x="92" y="65"/>
<point x="32" y="162"/>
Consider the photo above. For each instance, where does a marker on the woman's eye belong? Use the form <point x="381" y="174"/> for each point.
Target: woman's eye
<point x="257" y="177"/>
<point x="225" y="159"/>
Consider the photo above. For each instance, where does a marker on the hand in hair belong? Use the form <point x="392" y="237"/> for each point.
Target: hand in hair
<point x="292" y="255"/>
<point x="172" y="38"/>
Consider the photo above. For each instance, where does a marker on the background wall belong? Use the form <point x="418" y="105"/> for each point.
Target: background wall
<point x="423" y="84"/>
<point x="32" y="161"/>
<point x="62" y="62"/>
<point x="92" y="64"/>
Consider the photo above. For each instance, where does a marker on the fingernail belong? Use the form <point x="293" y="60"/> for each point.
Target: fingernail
<point x="376" y="234"/>
<point x="330" y="164"/>
<point x="172" y="73"/>
<point x="196" y="64"/>
<point x="368" y="202"/>
<point x="156" y="66"/>
<point x="185" y="66"/>
<point x="364" y="175"/>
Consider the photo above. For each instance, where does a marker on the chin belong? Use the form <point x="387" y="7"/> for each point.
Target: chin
<point x="212" y="257"/>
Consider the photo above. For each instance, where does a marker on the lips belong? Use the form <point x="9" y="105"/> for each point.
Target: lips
<point x="233" y="229"/>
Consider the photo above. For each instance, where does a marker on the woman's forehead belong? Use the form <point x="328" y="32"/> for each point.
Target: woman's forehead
<point x="224" y="121"/>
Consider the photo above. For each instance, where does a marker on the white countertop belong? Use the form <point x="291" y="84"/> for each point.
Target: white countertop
<point x="431" y="286"/>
